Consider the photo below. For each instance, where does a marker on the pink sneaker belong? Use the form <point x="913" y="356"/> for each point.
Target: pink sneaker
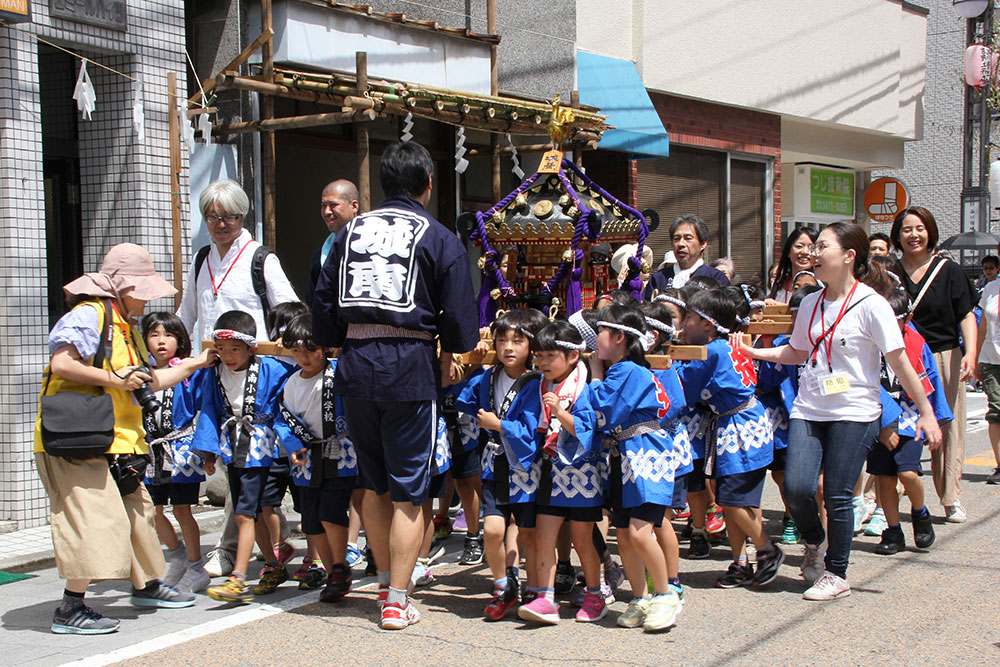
<point x="539" y="610"/>
<point x="593" y="609"/>
<point x="303" y="570"/>
<point x="284" y="552"/>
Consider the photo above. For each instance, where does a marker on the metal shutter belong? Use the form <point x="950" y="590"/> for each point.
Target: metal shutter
<point x="746" y="201"/>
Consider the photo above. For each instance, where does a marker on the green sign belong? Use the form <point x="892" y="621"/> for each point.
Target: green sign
<point x="831" y="192"/>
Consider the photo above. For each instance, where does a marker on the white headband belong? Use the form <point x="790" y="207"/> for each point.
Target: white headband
<point x="621" y="327"/>
<point x="657" y="324"/>
<point x="229" y="334"/>
<point x="589" y="335"/>
<point x="894" y="277"/>
<point x="671" y="299"/>
<point x="579" y="347"/>
<point x="718" y="327"/>
<point x="757" y="304"/>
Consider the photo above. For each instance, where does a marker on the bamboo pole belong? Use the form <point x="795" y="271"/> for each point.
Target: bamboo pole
<point x="175" y="186"/>
<point x="267" y="157"/>
<point x="361" y="134"/>
<point x="295" y="122"/>
<point x="209" y="84"/>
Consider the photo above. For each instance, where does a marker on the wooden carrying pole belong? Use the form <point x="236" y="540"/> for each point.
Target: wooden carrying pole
<point x="267" y="137"/>
<point x="175" y="185"/>
<point x="361" y="135"/>
<point x="491" y="28"/>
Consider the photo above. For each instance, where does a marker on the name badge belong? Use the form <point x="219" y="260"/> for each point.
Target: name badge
<point x="833" y="383"/>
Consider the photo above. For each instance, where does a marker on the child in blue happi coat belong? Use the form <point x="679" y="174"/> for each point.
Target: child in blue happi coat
<point x="176" y="470"/>
<point x="312" y="429"/>
<point x="735" y="431"/>
<point x="238" y="407"/>
<point x="506" y="402"/>
<point x="466" y="463"/>
<point x="629" y="403"/>
<point x="898" y="455"/>
<point x="570" y="482"/>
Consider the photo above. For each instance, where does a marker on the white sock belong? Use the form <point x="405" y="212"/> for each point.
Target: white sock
<point x="396" y="596"/>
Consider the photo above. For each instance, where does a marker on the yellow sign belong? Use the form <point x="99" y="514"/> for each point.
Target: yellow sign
<point x="551" y="162"/>
<point x="15" y="6"/>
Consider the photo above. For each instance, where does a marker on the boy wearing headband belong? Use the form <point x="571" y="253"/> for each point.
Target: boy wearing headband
<point x="239" y="404"/>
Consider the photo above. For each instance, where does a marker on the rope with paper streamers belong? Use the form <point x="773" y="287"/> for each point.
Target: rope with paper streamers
<point x="496" y="287"/>
<point x="407" y="128"/>
<point x="517" y="171"/>
<point x="461" y="164"/>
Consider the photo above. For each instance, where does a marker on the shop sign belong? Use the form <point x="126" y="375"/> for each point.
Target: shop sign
<point x="831" y="192"/>
<point x="15" y="11"/>
<point x="111" y="14"/>
<point x="884" y="197"/>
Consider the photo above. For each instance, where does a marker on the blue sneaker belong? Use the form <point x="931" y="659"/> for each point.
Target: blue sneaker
<point x="354" y="555"/>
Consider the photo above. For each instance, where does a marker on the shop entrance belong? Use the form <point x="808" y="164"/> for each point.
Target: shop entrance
<point x="61" y="167"/>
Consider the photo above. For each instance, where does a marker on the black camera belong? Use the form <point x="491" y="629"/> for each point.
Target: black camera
<point x="145" y="397"/>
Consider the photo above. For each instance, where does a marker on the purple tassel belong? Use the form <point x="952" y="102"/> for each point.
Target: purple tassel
<point x="574" y="292"/>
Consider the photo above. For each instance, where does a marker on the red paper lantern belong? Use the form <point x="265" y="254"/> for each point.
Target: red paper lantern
<point x="980" y="65"/>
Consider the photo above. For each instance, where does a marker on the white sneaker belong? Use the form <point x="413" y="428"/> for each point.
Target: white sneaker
<point x="175" y="569"/>
<point x="421" y="575"/>
<point x="219" y="563"/>
<point x="877" y="525"/>
<point x="870" y="506"/>
<point x="195" y="579"/>
<point x="858" y="503"/>
<point x="828" y="587"/>
<point x="955" y="513"/>
<point x="813" y="564"/>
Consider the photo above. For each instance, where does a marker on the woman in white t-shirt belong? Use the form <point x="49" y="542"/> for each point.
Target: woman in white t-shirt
<point x="988" y="369"/>
<point x="838" y="336"/>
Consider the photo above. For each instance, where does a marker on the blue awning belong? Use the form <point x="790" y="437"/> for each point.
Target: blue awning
<point x="614" y="86"/>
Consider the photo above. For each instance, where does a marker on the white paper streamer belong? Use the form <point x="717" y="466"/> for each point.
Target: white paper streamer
<point x="517" y="161"/>
<point x="84" y="93"/>
<point x="461" y="164"/>
<point x="187" y="130"/>
<point x="407" y="126"/>
<point x="205" y="125"/>
<point x="139" y="114"/>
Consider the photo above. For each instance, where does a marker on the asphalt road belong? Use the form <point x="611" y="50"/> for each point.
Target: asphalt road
<point x="933" y="607"/>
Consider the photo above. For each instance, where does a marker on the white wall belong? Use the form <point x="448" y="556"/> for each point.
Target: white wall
<point x="852" y="63"/>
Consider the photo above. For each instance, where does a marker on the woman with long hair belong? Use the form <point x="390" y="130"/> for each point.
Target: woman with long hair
<point x="795" y="257"/>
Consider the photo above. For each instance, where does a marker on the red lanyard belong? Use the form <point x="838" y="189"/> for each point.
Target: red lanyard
<point x="126" y="334"/>
<point x="216" y="288"/>
<point x="827" y="334"/>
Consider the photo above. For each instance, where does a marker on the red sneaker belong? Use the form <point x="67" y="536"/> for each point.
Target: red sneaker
<point x="383" y="595"/>
<point x="396" y="617"/>
<point x="683" y="514"/>
<point x="284" y="552"/>
<point x="503" y="601"/>
<point x="715" y="521"/>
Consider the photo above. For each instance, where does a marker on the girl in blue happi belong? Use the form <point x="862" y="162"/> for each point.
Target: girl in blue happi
<point x="629" y="403"/>
<point x="898" y="455"/>
<point x="506" y="401"/>
<point x="735" y="433"/>
<point x="176" y="470"/>
<point x="570" y="482"/>
<point x="313" y="431"/>
<point x="238" y="407"/>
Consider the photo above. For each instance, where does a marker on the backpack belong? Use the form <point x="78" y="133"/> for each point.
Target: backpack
<point x="256" y="273"/>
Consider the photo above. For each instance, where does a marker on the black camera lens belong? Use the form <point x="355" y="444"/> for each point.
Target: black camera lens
<point x="146" y="398"/>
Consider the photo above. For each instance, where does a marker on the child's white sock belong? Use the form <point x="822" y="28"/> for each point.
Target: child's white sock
<point x="396" y="596"/>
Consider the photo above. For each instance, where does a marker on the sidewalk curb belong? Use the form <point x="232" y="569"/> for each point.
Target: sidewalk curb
<point x="208" y="521"/>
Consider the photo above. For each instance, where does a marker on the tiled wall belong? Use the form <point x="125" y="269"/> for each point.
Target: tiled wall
<point x="125" y="196"/>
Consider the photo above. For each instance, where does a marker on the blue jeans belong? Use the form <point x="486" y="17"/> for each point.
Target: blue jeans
<point x="837" y="449"/>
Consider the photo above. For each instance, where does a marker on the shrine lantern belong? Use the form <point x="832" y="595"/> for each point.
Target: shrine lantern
<point x="980" y="65"/>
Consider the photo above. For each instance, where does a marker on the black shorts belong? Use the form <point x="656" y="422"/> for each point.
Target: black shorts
<point x="742" y="489"/>
<point x="246" y="487"/>
<point x="649" y="512"/>
<point x="465" y="464"/>
<point x="587" y="514"/>
<point x="696" y="478"/>
<point x="328" y="503"/>
<point x="439" y="484"/>
<point x="394" y="442"/>
<point x="905" y="457"/>
<point x="679" y="500"/>
<point x="174" y="493"/>
<point x="778" y="464"/>
<point x="278" y="477"/>
<point x="523" y="513"/>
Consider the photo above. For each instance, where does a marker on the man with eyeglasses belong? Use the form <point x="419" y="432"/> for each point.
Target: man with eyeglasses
<point x="222" y="277"/>
<point x="338" y="206"/>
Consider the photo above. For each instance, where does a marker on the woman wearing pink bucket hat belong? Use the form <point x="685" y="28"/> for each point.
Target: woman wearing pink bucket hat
<point x="100" y="531"/>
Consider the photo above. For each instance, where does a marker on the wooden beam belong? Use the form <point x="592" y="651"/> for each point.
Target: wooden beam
<point x="234" y="64"/>
<point x="295" y="122"/>
<point x="175" y="186"/>
<point x="770" y="328"/>
<point x="361" y="134"/>
<point x="267" y="156"/>
<point x="776" y="309"/>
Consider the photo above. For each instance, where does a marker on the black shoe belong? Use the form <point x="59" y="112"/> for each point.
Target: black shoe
<point x="370" y="569"/>
<point x="82" y="620"/>
<point x="736" y="575"/>
<point x="472" y="552"/>
<point x="337" y="585"/>
<point x="313" y="579"/>
<point x="892" y="542"/>
<point x="565" y="578"/>
<point x="768" y="563"/>
<point x="995" y="477"/>
<point x="923" y="531"/>
<point x="700" y="546"/>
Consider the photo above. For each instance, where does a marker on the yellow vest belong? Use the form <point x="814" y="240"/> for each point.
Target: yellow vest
<point x="129" y="432"/>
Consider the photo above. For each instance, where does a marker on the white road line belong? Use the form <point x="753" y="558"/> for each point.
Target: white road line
<point x="202" y="630"/>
